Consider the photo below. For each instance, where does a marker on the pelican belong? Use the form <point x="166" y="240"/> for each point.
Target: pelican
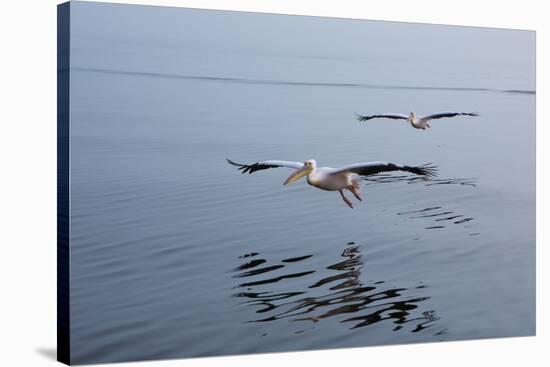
<point x="418" y="122"/>
<point x="335" y="179"/>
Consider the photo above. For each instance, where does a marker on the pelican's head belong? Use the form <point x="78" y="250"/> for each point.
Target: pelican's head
<point x="412" y="116"/>
<point x="310" y="164"/>
<point x="308" y="167"/>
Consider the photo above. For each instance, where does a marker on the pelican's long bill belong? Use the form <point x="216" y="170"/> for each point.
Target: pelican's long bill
<point x="296" y="175"/>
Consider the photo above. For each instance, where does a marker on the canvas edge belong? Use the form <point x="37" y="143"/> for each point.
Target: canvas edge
<point x="63" y="181"/>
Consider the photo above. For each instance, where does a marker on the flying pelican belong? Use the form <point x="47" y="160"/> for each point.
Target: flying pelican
<point x="335" y="179"/>
<point x="418" y="122"/>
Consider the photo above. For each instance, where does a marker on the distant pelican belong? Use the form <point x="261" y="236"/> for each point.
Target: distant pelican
<point x="420" y="122"/>
<point x="335" y="179"/>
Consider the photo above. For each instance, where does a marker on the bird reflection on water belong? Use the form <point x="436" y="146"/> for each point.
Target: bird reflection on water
<point x="439" y="215"/>
<point x="342" y="295"/>
<point x="385" y="178"/>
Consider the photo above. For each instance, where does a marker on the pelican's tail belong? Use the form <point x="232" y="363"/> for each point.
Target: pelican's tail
<point x="356" y="182"/>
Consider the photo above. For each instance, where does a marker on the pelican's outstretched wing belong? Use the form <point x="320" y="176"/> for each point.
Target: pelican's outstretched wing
<point x="441" y="115"/>
<point x="258" y="166"/>
<point x="393" y="116"/>
<point x="372" y="168"/>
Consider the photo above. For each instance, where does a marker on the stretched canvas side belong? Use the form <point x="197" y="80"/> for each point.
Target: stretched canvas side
<point x="63" y="169"/>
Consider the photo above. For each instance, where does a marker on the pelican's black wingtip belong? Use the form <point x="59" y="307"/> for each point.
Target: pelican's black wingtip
<point x="429" y="170"/>
<point x="360" y="118"/>
<point x="242" y="167"/>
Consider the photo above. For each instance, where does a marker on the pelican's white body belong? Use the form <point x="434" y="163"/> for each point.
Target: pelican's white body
<point x="322" y="179"/>
<point x="418" y="123"/>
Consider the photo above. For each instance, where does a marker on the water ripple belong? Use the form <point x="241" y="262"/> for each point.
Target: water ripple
<point x="437" y="214"/>
<point x="299" y="83"/>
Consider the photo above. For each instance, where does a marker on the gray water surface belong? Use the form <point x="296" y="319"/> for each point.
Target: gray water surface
<point x="174" y="253"/>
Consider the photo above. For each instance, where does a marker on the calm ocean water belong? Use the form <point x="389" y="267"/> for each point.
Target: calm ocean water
<point x="176" y="254"/>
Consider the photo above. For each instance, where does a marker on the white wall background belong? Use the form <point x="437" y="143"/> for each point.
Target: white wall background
<point x="28" y="181"/>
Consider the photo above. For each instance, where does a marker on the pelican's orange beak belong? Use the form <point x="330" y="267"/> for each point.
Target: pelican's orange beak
<point x="296" y="175"/>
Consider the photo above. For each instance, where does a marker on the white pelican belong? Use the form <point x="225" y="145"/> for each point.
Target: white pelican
<point x="335" y="179"/>
<point x="418" y="122"/>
